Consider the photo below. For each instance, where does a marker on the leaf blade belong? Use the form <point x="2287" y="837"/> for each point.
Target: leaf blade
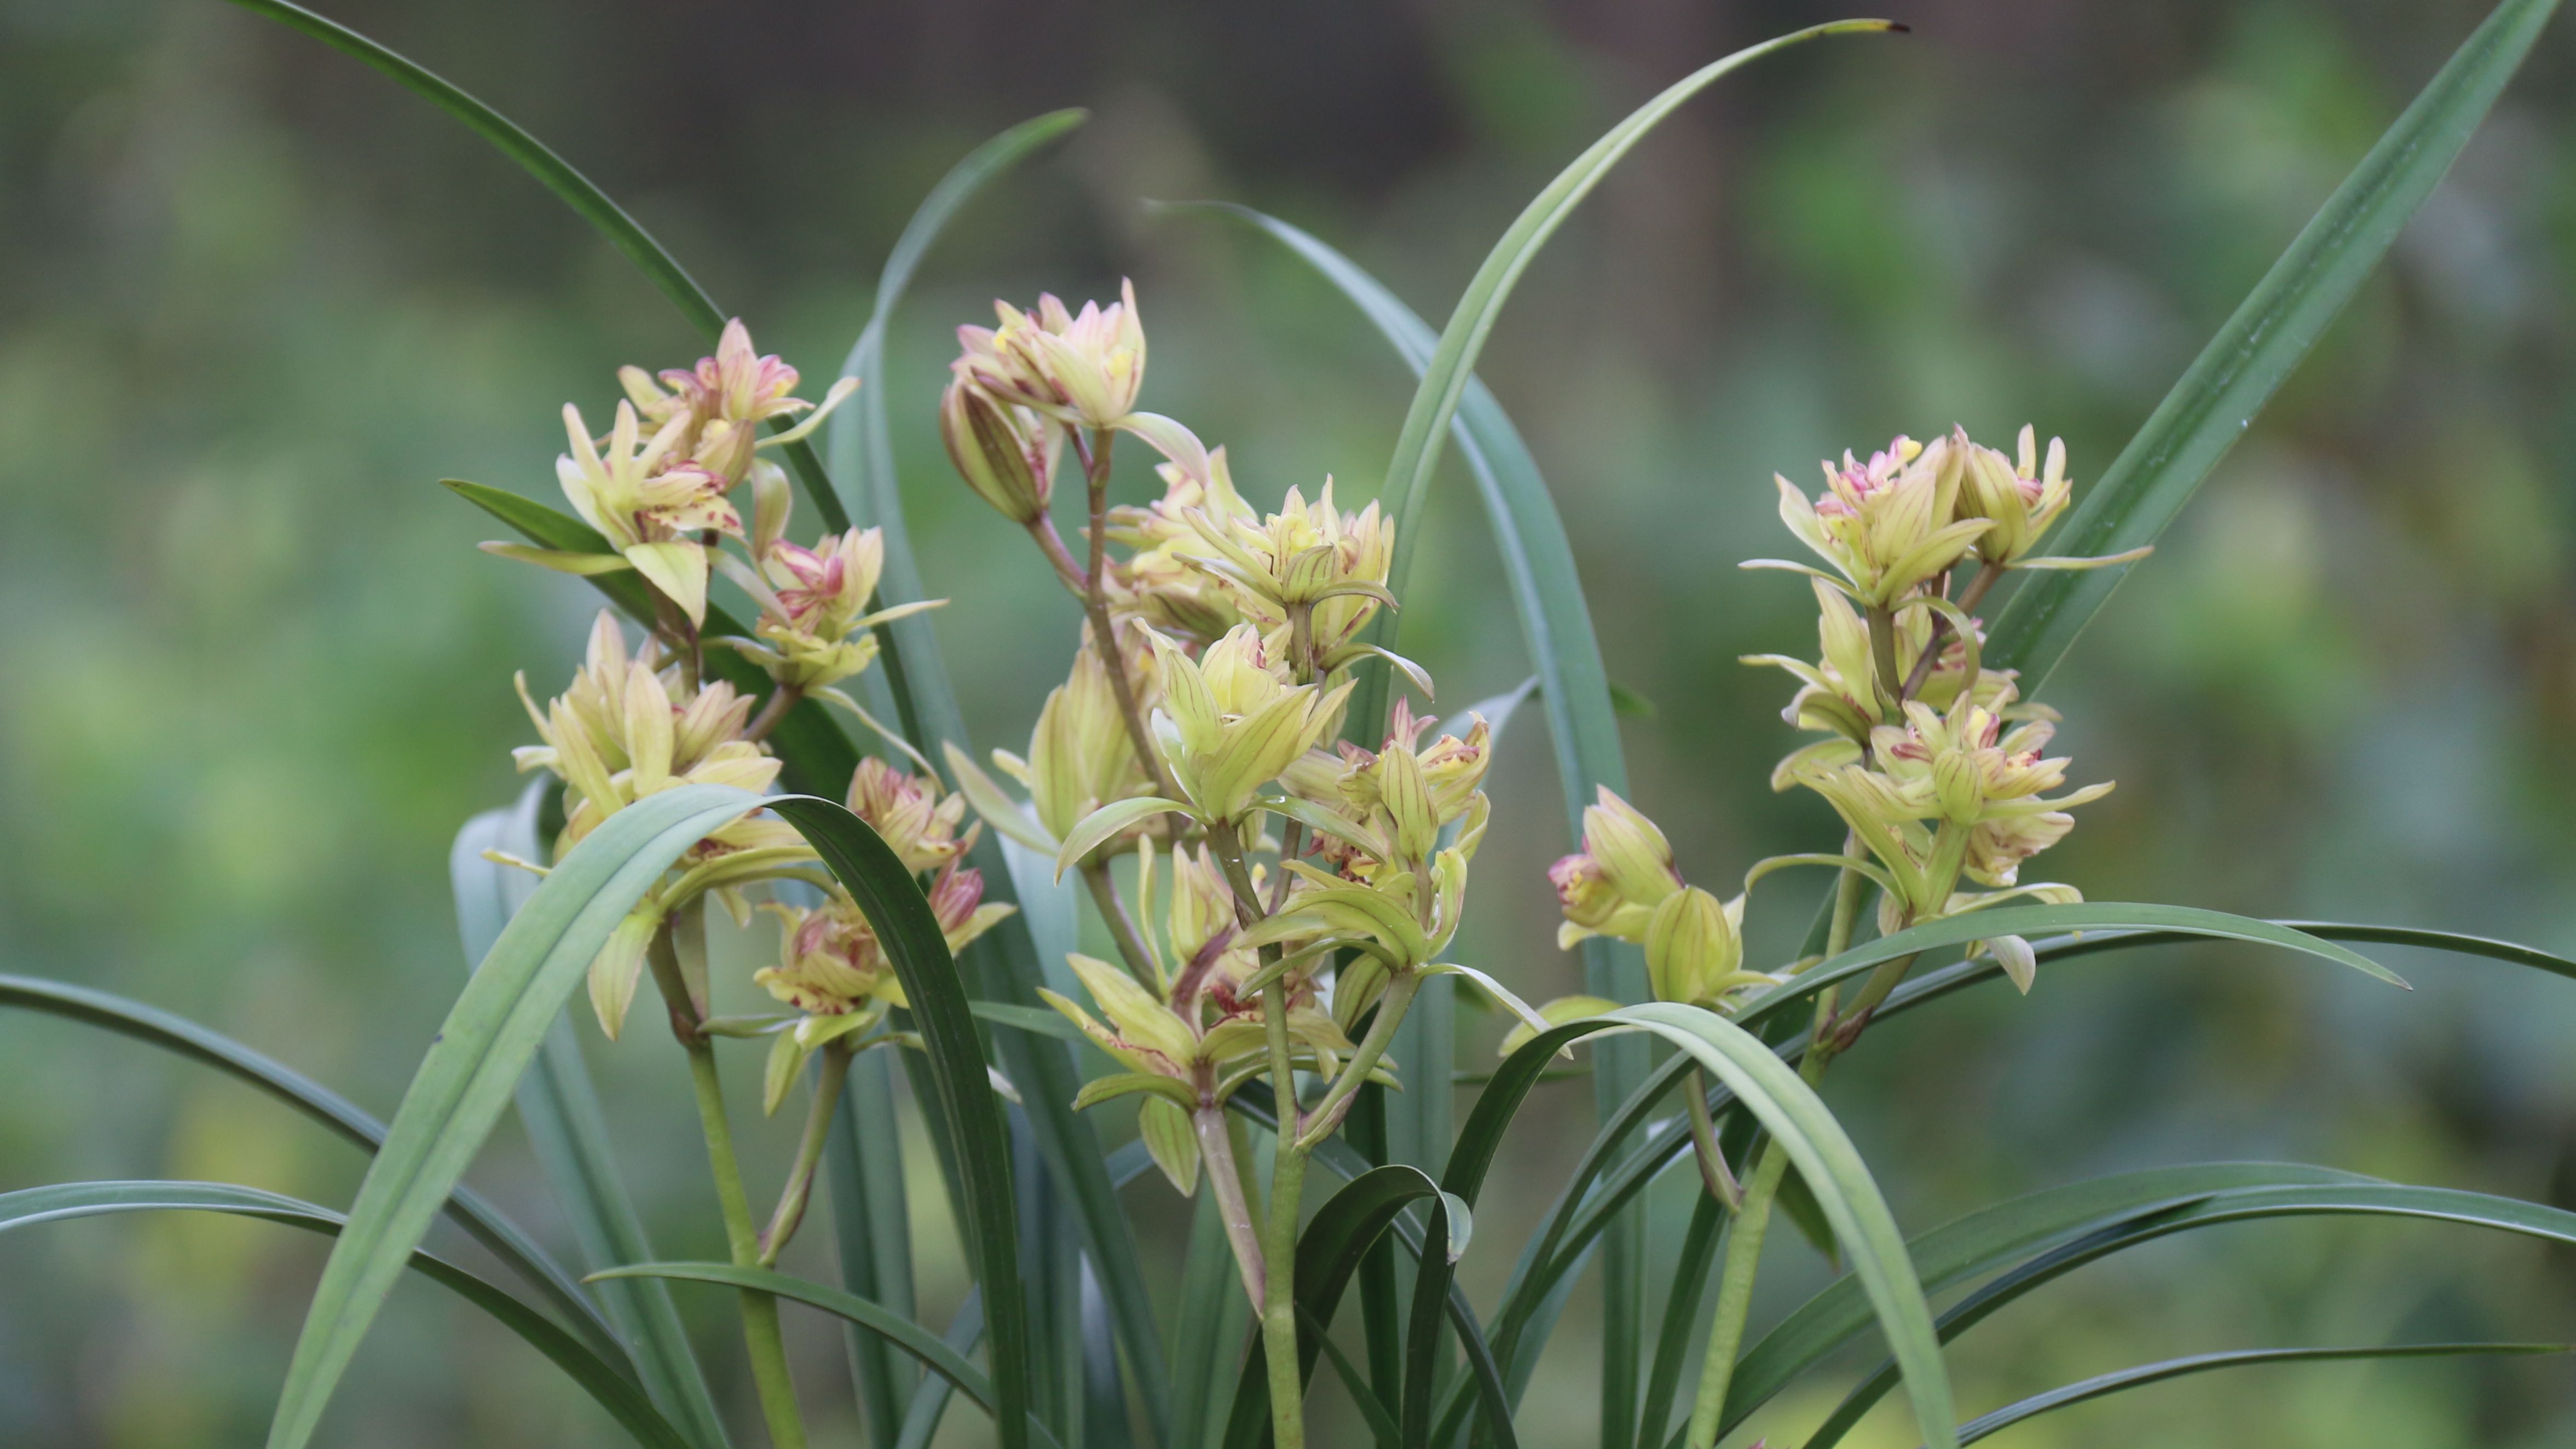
<point x="466" y="1078"/>
<point x="569" y="1135"/>
<point x="2173" y="1368"/>
<point x="601" y="1377"/>
<point x="2271" y="332"/>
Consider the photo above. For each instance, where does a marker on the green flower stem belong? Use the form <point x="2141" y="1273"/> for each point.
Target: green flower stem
<point x="760" y="1335"/>
<point x="1713" y="1175"/>
<point x="1122" y="926"/>
<point x="1234" y="1204"/>
<point x="1969" y="597"/>
<point x="809" y="1152"/>
<point x="781" y="700"/>
<point x="1743" y="1261"/>
<point x="1278" y="1300"/>
<point x="1327" y="1113"/>
<point x="1882" y="653"/>
<point x="1279" y="1240"/>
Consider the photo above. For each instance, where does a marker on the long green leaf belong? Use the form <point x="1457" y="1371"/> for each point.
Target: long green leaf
<point x="173" y="1033"/>
<point x="2217" y="399"/>
<point x="2173" y="1368"/>
<point x="604" y="1379"/>
<point x="1484" y="1375"/>
<point x="1674" y="1344"/>
<point x="885" y="891"/>
<point x="1210" y="1332"/>
<point x="1992" y="1238"/>
<point x="1328" y="1257"/>
<point x="2437" y="1204"/>
<point x="574" y="189"/>
<point x="861" y="438"/>
<point x="569" y="1135"/>
<point x="930" y="1404"/>
<point x="1802" y="1126"/>
<point x="1444" y="380"/>
<point x="466" y="1078"/>
<point x="2028" y="921"/>
<point x="1605" y="1181"/>
<point x="872" y="1233"/>
<point x="1329" y="1252"/>
<point x="933" y="1352"/>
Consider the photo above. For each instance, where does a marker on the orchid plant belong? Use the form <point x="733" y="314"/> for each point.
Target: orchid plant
<point x="1277" y="838"/>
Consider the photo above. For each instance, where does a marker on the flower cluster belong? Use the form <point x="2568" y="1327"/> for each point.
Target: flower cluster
<point x="630" y="726"/>
<point x="1202" y="714"/>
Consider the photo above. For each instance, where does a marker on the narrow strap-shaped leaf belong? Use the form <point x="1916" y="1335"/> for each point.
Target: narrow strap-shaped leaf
<point x="466" y="1078"/>
<point x="1211" y="1331"/>
<point x="1328" y="1257"/>
<point x="2438" y="1204"/>
<point x="933" y="1352"/>
<point x="1681" y="1317"/>
<point x="1453" y="361"/>
<point x="930" y="1404"/>
<point x="2217" y="399"/>
<point x="468" y="1208"/>
<point x="885" y="891"/>
<point x="569" y="1135"/>
<point x="1801" y="1125"/>
<point x="603" y="1379"/>
<point x="2101" y="1385"/>
<point x="2028" y="921"/>
<point x="861" y="439"/>
<point x="1381" y="1423"/>
<point x="574" y="189"/>
<point x="1484" y="1381"/>
<point x="1993" y="1238"/>
<point x="872" y="1233"/>
<point x="1329" y="1252"/>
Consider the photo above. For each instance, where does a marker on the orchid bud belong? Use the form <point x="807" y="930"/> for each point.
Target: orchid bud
<point x="1691" y="947"/>
<point x="1632" y="851"/>
<point x="2016" y="495"/>
<point x="1005" y="453"/>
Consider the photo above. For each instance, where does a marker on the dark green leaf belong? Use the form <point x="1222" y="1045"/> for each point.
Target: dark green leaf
<point x="474" y="1063"/>
<point x="569" y="1135"/>
<point x="2215" y="403"/>
<point x="1673" y="1346"/>
<point x="1989" y="1239"/>
<point x="872" y="1235"/>
<point x="933" y="1352"/>
<point x="885" y="891"/>
<point x="1801" y="1125"/>
<point x="172" y="1033"/>
<point x="2245" y="1205"/>
<point x="965" y="1331"/>
<point x="2174" y="1368"/>
<point x="604" y="1379"/>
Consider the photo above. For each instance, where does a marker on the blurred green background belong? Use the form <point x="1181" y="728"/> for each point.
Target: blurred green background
<point x="255" y="300"/>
